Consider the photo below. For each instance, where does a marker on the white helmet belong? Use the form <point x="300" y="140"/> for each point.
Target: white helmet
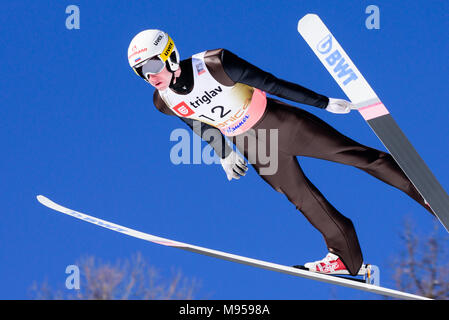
<point x="151" y="50"/>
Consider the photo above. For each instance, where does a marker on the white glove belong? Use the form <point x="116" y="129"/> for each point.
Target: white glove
<point x="339" y="106"/>
<point x="234" y="166"/>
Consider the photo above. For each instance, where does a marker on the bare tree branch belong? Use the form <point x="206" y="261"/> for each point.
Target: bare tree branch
<point x="422" y="267"/>
<point x="131" y="279"/>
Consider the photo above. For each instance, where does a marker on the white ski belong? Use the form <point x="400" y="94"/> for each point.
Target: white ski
<point x="231" y="257"/>
<point x="354" y="85"/>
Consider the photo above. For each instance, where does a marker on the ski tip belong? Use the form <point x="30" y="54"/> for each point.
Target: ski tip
<point x="306" y="20"/>
<point x="43" y="200"/>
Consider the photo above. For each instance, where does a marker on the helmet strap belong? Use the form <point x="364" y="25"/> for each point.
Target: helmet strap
<point x="173" y="78"/>
<point x="169" y="68"/>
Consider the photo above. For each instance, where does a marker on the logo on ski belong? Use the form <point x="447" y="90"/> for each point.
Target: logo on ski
<point x="335" y="59"/>
<point x="325" y="45"/>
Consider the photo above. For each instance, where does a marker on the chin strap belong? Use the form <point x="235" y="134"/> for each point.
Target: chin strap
<point x="172" y="79"/>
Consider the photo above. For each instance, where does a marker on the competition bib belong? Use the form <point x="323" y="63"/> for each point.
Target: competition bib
<point x="232" y="109"/>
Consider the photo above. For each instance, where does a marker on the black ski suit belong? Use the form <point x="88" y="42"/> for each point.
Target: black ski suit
<point x="300" y="133"/>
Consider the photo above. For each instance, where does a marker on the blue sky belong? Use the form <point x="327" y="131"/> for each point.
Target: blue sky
<point x="78" y="126"/>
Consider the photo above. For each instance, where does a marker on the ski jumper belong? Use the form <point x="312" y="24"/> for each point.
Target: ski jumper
<point x="226" y="93"/>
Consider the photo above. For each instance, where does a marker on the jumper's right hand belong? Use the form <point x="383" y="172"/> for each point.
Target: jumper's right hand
<point x="234" y="166"/>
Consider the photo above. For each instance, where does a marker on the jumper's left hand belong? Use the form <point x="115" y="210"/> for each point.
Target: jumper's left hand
<point x="339" y="106"/>
<point x="234" y="166"/>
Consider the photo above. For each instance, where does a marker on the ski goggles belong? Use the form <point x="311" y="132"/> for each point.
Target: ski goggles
<point x="153" y="66"/>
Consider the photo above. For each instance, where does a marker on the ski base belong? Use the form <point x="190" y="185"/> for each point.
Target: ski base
<point x="229" y="256"/>
<point x="354" y="85"/>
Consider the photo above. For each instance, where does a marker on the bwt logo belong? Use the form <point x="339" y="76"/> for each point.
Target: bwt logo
<point x="336" y="60"/>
